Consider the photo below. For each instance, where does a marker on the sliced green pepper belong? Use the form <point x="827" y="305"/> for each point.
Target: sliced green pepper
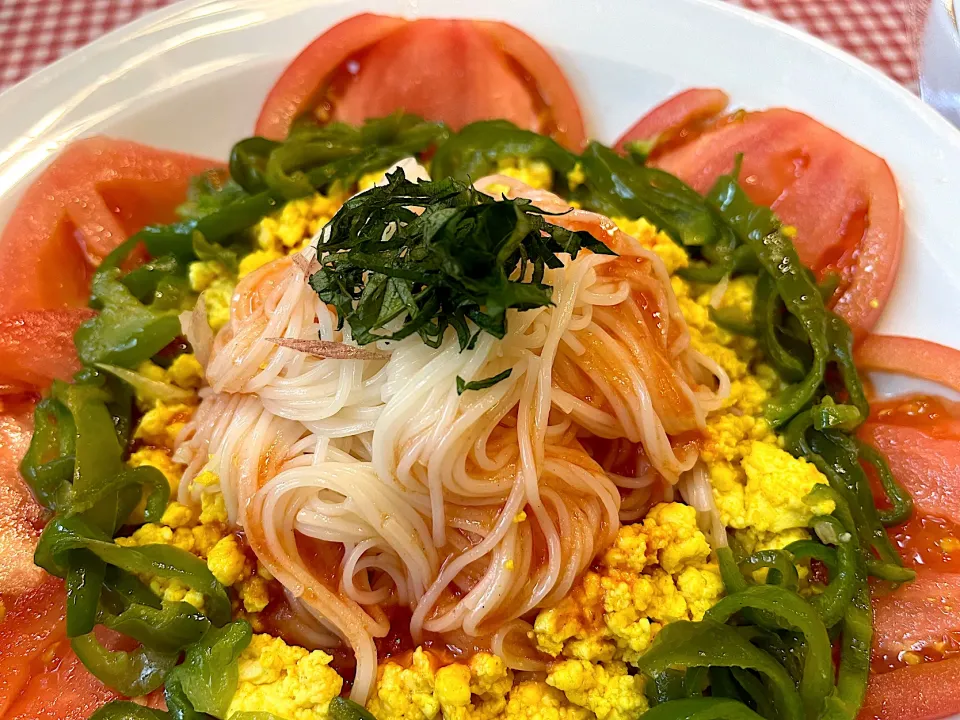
<point x="132" y="673"/>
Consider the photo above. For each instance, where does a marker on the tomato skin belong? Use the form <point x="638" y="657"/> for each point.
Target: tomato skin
<point x="91" y="197"/>
<point x="302" y="78"/>
<point x="842" y="199"/>
<point x="910" y="356"/>
<point x="679" y="114"/>
<point x="917" y="615"/>
<point x="441" y="70"/>
<point x="917" y="692"/>
<point x="552" y="85"/>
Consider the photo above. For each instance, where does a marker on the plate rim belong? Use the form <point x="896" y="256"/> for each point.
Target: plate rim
<point x="162" y="15"/>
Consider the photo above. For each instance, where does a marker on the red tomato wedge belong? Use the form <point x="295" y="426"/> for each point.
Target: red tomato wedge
<point x="40" y="676"/>
<point x="21" y="519"/>
<point x="95" y="194"/>
<point x="36" y="346"/>
<point x="676" y="119"/>
<point x="926" y="465"/>
<point x="455" y="71"/>
<point x="304" y="78"/>
<point x="842" y="199"/>
<point x="917" y="615"/>
<point x="920" y="692"/>
<point x="446" y="70"/>
<point x="551" y="84"/>
<point x="910" y="356"/>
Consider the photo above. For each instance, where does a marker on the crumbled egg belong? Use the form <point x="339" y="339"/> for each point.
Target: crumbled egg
<point x="288" y="681"/>
<point x="419" y="690"/>
<point x="673" y="256"/>
<point x="657" y="571"/>
<point x="605" y="689"/>
<point x="756" y="483"/>
<point x="535" y="700"/>
<point x="535" y="173"/>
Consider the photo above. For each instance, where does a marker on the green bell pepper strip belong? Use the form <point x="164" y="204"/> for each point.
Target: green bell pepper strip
<point x="344" y="709"/>
<point x="666" y="686"/>
<point x="732" y="321"/>
<point x="132" y="673"/>
<point x="832" y="603"/>
<point x="84" y="584"/>
<point x="129" y="589"/>
<point x="474" y="151"/>
<point x="126" y="332"/>
<point x="179" y="706"/>
<point x="98" y="468"/>
<point x="813" y="550"/>
<point x="830" y="416"/>
<point x="899" y="497"/>
<point x="47" y="466"/>
<point x="723" y="685"/>
<point x="780" y="568"/>
<point x="248" y="163"/>
<point x="64" y="534"/>
<point x="170" y="629"/>
<point x="840" y="338"/>
<point x="758" y="228"/>
<point x="854" y="668"/>
<point x="712" y="644"/>
<point x="209" y="674"/>
<point x="837" y="456"/>
<point x="701" y="709"/>
<point x="766" y="310"/>
<point x="126" y="710"/>
<point x="793" y="613"/>
<point x="755" y="690"/>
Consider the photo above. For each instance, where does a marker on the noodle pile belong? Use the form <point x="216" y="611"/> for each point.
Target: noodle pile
<point x="365" y="483"/>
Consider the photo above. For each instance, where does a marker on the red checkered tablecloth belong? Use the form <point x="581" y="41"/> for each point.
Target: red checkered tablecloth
<point x="882" y="32"/>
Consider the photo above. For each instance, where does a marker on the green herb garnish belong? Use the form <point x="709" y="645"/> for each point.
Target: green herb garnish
<point x="461" y="263"/>
<point x="463" y="385"/>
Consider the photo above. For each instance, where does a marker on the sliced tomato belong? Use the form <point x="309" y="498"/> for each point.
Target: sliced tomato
<point x="918" y="615"/>
<point x="677" y="119"/>
<point x="927" y="466"/>
<point x="910" y="356"/>
<point x="842" y="199"/>
<point x="455" y="71"/>
<point x="21" y="519"/>
<point x="95" y="194"/>
<point x="304" y="79"/>
<point x="551" y="84"/>
<point x="40" y="676"/>
<point x="446" y="70"/>
<point x="920" y="692"/>
<point x="36" y="346"/>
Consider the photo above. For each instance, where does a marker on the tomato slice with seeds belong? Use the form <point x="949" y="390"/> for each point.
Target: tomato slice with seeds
<point x="95" y="194"/>
<point x="455" y="71"/>
<point x="842" y="199"/>
<point x="677" y="120"/>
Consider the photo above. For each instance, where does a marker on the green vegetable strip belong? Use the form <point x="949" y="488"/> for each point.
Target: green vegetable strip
<point x="810" y="549"/>
<point x="132" y="673"/>
<point x="711" y="644"/>
<point x="794" y="613"/>
<point x="766" y="309"/>
<point x="65" y="534"/>
<point x="171" y="629"/>
<point x="344" y="709"/>
<point x="126" y="710"/>
<point x="701" y="709"/>
<point x="84" y="582"/>
<point x="899" y="498"/>
<point x="780" y="568"/>
<point x="760" y="230"/>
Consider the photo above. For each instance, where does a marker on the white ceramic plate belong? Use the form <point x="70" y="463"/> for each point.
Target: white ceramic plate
<point x="192" y="78"/>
